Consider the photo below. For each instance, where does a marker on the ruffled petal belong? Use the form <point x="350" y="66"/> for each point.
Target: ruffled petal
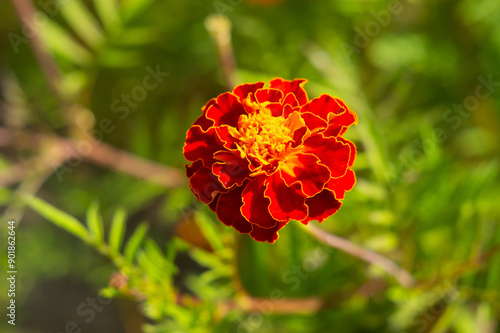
<point x="226" y="111"/>
<point x="213" y="204"/>
<point x="297" y="126"/>
<point x="202" y="145"/>
<point x="232" y="169"/>
<point x="321" y="206"/>
<point x="243" y="90"/>
<point x="294" y="87"/>
<point x="305" y="170"/>
<point x="269" y="95"/>
<point x="352" y="155"/>
<point x="228" y="211"/>
<point x="291" y="100"/>
<point x="205" y="185"/>
<point x="331" y="153"/>
<point x="313" y="122"/>
<point x="338" y="124"/>
<point x="342" y="184"/>
<point x="287" y="203"/>
<point x="255" y="205"/>
<point x="191" y="169"/>
<point x="323" y="105"/>
<point x="202" y="120"/>
<point x="266" y="235"/>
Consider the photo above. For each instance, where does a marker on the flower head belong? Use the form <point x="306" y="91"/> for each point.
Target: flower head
<point x="265" y="156"/>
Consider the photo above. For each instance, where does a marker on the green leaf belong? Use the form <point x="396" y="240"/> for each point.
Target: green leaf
<point x="117" y="231"/>
<point x="58" y="217"/>
<point x="108" y="12"/>
<point x="82" y="22"/>
<point x="135" y="241"/>
<point x="133" y="8"/>
<point x="60" y="42"/>
<point x="94" y="223"/>
<point x="209" y="231"/>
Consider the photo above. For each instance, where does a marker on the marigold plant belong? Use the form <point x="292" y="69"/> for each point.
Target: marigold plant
<point x="265" y="156"/>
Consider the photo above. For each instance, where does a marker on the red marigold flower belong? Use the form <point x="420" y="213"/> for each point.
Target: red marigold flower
<point x="265" y="156"/>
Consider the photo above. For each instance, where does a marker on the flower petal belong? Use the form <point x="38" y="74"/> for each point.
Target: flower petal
<point x="323" y="105"/>
<point x="255" y="205"/>
<point x="205" y="185"/>
<point x="232" y="169"/>
<point x="291" y="100"/>
<point x="321" y="206"/>
<point x="266" y="235"/>
<point x="297" y="126"/>
<point x="331" y="152"/>
<point x="269" y="95"/>
<point x="191" y="169"/>
<point x="342" y="184"/>
<point x="338" y="124"/>
<point x="243" y="90"/>
<point x="305" y="170"/>
<point x="287" y="203"/>
<point x="202" y="145"/>
<point x="226" y="111"/>
<point x="202" y="120"/>
<point x="313" y="122"/>
<point x="228" y="211"/>
<point x="294" y="87"/>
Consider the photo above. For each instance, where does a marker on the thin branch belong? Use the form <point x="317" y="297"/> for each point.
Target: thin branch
<point x="119" y="160"/>
<point x="100" y="154"/>
<point x="402" y="276"/>
<point x="219" y="28"/>
<point x="26" y="12"/>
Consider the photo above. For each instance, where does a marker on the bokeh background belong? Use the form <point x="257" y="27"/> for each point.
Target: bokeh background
<point x="82" y="130"/>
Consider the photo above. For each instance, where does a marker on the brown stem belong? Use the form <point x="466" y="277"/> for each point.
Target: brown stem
<point x="101" y="154"/>
<point x="219" y="28"/>
<point x="26" y="12"/>
<point x="402" y="276"/>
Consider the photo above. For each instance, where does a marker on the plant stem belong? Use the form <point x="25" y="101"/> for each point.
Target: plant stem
<point x="402" y="276"/>
<point x="219" y="28"/>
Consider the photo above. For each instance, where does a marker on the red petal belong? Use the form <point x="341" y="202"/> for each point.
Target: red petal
<point x="213" y="204"/>
<point x="276" y="109"/>
<point x="294" y="87"/>
<point x="243" y="90"/>
<point x="313" y="122"/>
<point x="226" y="111"/>
<point x="266" y="235"/>
<point x="287" y="203"/>
<point x="352" y="155"/>
<point x="291" y="100"/>
<point x="321" y="206"/>
<point x="228" y="211"/>
<point x="191" y="169"/>
<point x="342" y="184"/>
<point x="305" y="170"/>
<point x="323" y="105"/>
<point x="202" y="145"/>
<point x="338" y="124"/>
<point x="205" y="185"/>
<point x="202" y="120"/>
<point x="232" y="170"/>
<point x="225" y="137"/>
<point x="298" y="127"/>
<point x="255" y="206"/>
<point x="331" y="152"/>
<point x="269" y="95"/>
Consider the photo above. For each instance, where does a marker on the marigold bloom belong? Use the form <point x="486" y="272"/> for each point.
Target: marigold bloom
<point x="265" y="156"/>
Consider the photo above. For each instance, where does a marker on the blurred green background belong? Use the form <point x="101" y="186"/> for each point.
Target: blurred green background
<point x="423" y="77"/>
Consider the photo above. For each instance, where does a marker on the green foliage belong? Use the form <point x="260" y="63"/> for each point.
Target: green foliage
<point x="428" y="172"/>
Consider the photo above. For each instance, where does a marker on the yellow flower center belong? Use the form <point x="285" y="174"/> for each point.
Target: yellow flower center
<point x="263" y="139"/>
